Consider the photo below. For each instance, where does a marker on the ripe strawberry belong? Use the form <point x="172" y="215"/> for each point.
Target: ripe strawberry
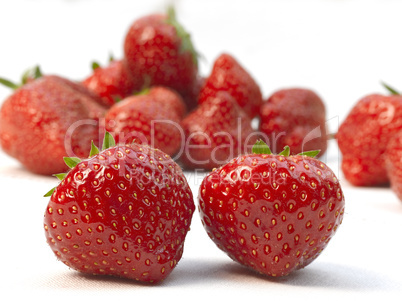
<point x="295" y="118"/>
<point x="159" y="51"/>
<point x="94" y="104"/>
<point x="45" y="120"/>
<point x="123" y="212"/>
<point x="272" y="213"/>
<point x="112" y="83"/>
<point x="216" y="131"/>
<point x="228" y="75"/>
<point x="152" y="118"/>
<point x="363" y="137"/>
<point x="393" y="164"/>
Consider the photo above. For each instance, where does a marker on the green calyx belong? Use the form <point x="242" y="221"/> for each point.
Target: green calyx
<point x="390" y="89"/>
<point x="186" y="44"/>
<point x="28" y="75"/>
<point x="260" y="147"/>
<point x="108" y="141"/>
<point x="71" y="162"/>
<point x="95" y="65"/>
<point x="143" y="91"/>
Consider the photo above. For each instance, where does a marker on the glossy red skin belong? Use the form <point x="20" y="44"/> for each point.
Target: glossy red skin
<point x="34" y="121"/>
<point x="265" y="212"/>
<point x="153" y="119"/>
<point x="217" y="122"/>
<point x="112" y="83"/>
<point x="289" y="116"/>
<point x="92" y="101"/>
<point x="363" y="137"/>
<point x="153" y="53"/>
<point x="229" y="76"/>
<point x="169" y="98"/>
<point x="393" y="164"/>
<point x="124" y="212"/>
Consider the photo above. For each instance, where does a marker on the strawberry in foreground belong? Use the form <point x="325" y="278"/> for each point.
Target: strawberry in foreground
<point x="363" y="137"/>
<point x="47" y="118"/>
<point x="294" y="117"/>
<point x="159" y="51"/>
<point x="125" y="212"/>
<point x="272" y="213"/>
<point x="112" y="82"/>
<point x="151" y="117"/>
<point x="216" y="131"/>
<point x="229" y="76"/>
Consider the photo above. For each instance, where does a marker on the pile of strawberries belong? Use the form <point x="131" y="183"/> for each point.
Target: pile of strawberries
<point x="125" y="209"/>
<point x="155" y="95"/>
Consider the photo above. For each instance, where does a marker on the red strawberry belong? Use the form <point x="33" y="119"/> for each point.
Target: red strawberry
<point x="112" y="83"/>
<point x="228" y="75"/>
<point x="152" y="118"/>
<point x="363" y="137"/>
<point x="272" y="213"/>
<point x="159" y="51"/>
<point x="393" y="164"/>
<point x="294" y="117"/>
<point x="47" y="119"/>
<point x="216" y="131"/>
<point x="94" y="104"/>
<point x="124" y="212"/>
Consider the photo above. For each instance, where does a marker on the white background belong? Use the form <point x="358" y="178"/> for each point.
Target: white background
<point x="341" y="49"/>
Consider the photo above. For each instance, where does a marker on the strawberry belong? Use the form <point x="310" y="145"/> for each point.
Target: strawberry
<point x="159" y="51"/>
<point x="216" y="131"/>
<point x="151" y="117"/>
<point x="363" y="137"/>
<point x="294" y="117"/>
<point x="94" y="104"/>
<point x="272" y="213"/>
<point x="46" y="119"/>
<point x="125" y="212"/>
<point x="393" y="164"/>
<point x="228" y="75"/>
<point x="112" y="83"/>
